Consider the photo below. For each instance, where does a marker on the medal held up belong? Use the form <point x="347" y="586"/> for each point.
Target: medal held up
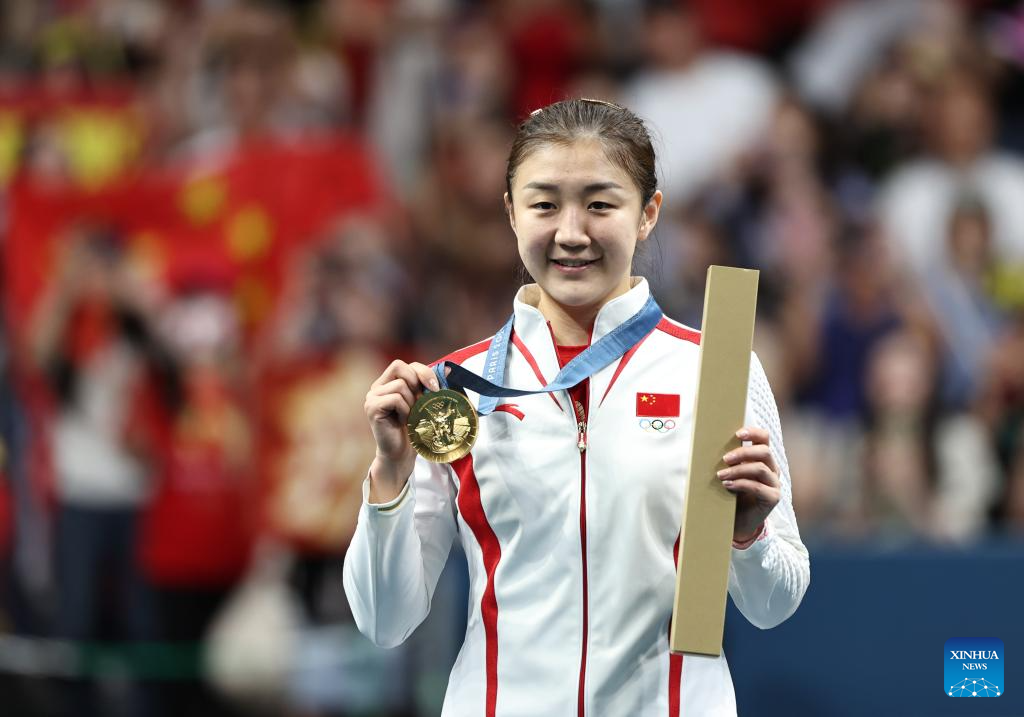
<point x="443" y="424"/>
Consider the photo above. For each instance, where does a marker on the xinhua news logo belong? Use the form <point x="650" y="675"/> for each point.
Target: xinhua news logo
<point x="974" y="667"/>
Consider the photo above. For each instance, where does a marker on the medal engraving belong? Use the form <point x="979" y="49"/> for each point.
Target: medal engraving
<point x="442" y="426"/>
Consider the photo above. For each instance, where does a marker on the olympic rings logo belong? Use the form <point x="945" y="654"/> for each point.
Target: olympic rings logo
<point x="657" y="425"/>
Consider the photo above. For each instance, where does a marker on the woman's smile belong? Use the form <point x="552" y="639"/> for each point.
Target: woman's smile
<point x="573" y="267"/>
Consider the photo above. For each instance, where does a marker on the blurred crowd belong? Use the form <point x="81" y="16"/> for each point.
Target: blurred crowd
<point x="181" y="432"/>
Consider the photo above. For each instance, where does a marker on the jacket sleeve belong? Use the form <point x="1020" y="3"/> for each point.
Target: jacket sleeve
<point x="768" y="579"/>
<point x="397" y="554"/>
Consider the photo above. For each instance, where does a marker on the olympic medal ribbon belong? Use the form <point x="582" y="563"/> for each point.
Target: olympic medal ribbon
<point x="594" y="358"/>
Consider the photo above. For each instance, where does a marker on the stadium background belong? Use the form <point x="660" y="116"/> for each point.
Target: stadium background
<point x="220" y="219"/>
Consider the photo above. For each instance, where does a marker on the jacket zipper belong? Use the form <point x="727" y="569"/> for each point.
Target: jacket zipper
<point x="581" y="427"/>
<point x="581" y="443"/>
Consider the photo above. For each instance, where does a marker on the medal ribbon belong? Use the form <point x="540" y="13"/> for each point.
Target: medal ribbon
<point x="607" y="349"/>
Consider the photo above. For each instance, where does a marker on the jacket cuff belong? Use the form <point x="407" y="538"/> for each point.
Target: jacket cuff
<point x="758" y="538"/>
<point x="389" y="508"/>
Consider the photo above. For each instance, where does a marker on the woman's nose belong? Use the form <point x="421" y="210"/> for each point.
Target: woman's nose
<point x="572" y="229"/>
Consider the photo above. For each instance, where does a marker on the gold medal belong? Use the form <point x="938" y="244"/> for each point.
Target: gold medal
<point x="442" y="426"/>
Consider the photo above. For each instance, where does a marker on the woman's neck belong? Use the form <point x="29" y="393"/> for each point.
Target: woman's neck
<point x="571" y="325"/>
<point x="574" y="325"/>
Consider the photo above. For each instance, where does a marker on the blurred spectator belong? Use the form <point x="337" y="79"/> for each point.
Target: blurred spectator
<point x="463" y="233"/>
<point x="928" y="473"/>
<point x="249" y="77"/>
<point x="898" y="464"/>
<point x="763" y="26"/>
<point x="340" y="319"/>
<point x="408" y="84"/>
<point x="918" y="201"/>
<point x="847" y="45"/>
<point x="5" y="517"/>
<point x="1002" y="407"/>
<point x="966" y="318"/>
<point x="11" y="442"/>
<point x="356" y="31"/>
<point x="25" y="575"/>
<point x="196" y="532"/>
<point x="830" y="374"/>
<point x="92" y="338"/>
<point x="706" y="107"/>
<point x="547" y="44"/>
<point x="347" y="289"/>
<point x="685" y="243"/>
<point x="166" y="72"/>
<point x="860" y="310"/>
<point x="774" y="211"/>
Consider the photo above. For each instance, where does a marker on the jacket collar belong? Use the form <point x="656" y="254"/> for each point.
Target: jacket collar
<point x="532" y="327"/>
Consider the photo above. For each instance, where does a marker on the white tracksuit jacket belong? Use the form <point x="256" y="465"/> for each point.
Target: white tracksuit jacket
<point x="571" y="565"/>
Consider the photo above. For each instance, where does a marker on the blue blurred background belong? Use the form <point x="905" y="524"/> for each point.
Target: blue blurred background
<point x="220" y="219"/>
<point x="869" y="636"/>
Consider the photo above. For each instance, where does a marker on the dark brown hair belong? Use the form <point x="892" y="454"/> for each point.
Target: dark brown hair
<point x="623" y="135"/>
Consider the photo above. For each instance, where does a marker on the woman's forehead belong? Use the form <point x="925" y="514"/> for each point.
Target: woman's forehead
<point x="580" y="163"/>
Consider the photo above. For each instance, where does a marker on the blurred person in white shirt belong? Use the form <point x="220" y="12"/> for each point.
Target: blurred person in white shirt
<point x="706" y="107"/>
<point x="919" y="199"/>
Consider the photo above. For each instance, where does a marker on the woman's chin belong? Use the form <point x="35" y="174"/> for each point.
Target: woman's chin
<point x="576" y="298"/>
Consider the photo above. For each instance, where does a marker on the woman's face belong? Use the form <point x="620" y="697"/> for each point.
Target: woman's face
<point x="577" y="217"/>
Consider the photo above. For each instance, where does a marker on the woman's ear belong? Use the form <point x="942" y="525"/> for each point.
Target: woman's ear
<point x="650" y="215"/>
<point x="509" y="211"/>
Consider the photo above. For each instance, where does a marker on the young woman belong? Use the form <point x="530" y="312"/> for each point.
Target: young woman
<point x="568" y="507"/>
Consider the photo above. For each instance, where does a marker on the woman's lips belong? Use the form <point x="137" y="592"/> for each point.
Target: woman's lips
<point x="573" y="266"/>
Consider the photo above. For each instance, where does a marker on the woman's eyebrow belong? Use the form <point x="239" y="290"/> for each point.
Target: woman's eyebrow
<point x="600" y="187"/>
<point x="588" y="189"/>
<point x="542" y="186"/>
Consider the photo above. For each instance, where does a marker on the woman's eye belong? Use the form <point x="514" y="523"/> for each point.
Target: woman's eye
<point x="543" y="206"/>
<point x="600" y="206"/>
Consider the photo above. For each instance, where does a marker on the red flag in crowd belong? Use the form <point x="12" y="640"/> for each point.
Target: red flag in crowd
<point x="236" y="222"/>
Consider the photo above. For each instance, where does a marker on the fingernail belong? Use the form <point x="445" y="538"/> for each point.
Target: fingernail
<point x="434" y="384"/>
<point x="743" y="434"/>
<point x="722" y="472"/>
<point x="727" y="483"/>
<point x="729" y="457"/>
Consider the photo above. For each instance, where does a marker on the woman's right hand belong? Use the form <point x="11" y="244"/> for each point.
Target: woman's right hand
<point x="388" y="403"/>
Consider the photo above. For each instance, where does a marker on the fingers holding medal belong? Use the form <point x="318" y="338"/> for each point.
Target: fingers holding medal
<point x="439" y="424"/>
<point x="389" y="403"/>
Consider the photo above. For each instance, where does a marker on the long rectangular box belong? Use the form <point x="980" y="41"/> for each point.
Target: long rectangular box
<point x="705" y="543"/>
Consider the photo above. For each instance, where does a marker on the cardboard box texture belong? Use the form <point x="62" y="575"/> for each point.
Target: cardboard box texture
<point x="705" y="543"/>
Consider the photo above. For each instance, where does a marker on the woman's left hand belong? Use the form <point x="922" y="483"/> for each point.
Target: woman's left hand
<point x="753" y="476"/>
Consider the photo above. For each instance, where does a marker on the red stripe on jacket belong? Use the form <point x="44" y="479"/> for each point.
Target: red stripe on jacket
<point x="472" y="510"/>
<point x="581" y="694"/>
<point x="512" y="408"/>
<point x="680" y="332"/>
<point x="468" y="352"/>
<point x="622" y="364"/>
<point x="675" y="661"/>
<point x="518" y="343"/>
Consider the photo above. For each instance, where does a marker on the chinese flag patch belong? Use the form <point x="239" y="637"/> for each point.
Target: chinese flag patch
<point x="660" y="405"/>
